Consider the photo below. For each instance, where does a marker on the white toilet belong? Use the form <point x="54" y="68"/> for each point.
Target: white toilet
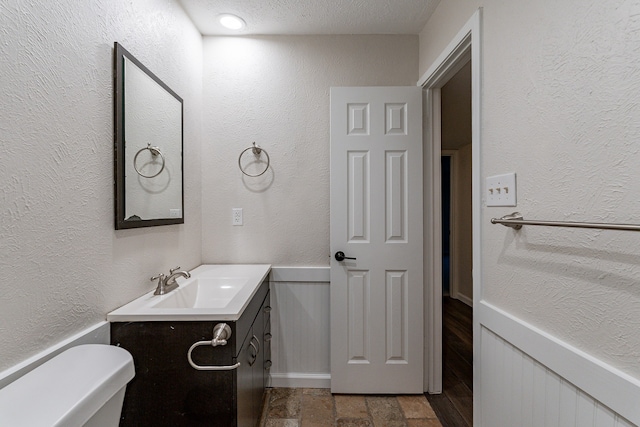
<point x="82" y="386"/>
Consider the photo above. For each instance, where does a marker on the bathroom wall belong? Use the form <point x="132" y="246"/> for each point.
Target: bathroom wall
<point x="274" y="90"/>
<point x="63" y="266"/>
<point x="560" y="92"/>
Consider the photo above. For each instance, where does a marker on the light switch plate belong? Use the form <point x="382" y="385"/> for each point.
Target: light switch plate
<point x="500" y="190"/>
<point x="236" y="216"/>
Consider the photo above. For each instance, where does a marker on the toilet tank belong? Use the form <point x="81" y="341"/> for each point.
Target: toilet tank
<point x="82" y="386"/>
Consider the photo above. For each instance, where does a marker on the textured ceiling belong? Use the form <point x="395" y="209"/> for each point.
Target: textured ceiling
<point x="313" y="16"/>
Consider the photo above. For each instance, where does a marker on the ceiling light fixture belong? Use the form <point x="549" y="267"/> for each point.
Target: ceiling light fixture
<point x="231" y="22"/>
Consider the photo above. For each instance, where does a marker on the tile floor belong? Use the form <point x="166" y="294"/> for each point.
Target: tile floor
<point x="311" y="407"/>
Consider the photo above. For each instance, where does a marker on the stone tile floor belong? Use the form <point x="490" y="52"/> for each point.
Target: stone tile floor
<point x="311" y="407"/>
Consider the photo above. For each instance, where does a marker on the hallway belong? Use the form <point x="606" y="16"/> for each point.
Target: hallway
<point x="454" y="407"/>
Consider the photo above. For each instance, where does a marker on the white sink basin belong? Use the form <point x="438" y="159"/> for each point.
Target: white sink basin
<point x="214" y="292"/>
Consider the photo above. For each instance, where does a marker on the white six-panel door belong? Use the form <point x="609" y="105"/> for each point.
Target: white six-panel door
<point x="376" y="217"/>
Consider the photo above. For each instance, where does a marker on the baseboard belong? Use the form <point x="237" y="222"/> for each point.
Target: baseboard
<point x="468" y="301"/>
<point x="96" y="334"/>
<point x="300" y="380"/>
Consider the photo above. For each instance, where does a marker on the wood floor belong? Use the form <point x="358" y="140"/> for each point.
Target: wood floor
<point x="454" y="407"/>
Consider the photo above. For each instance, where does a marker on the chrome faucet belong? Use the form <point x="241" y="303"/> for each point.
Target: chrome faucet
<point x="168" y="283"/>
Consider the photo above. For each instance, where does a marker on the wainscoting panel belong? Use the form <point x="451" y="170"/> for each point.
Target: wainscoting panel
<point x="300" y="328"/>
<point x="518" y="390"/>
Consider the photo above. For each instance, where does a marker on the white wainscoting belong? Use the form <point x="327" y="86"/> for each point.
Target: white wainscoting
<point x="528" y="377"/>
<point x="300" y="327"/>
<point x="531" y="379"/>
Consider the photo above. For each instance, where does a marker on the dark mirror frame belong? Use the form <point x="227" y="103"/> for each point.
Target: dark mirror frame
<point x="119" y="142"/>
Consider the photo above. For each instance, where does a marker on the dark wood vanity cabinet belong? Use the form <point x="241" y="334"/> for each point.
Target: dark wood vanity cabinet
<point x="252" y="375"/>
<point x="168" y="391"/>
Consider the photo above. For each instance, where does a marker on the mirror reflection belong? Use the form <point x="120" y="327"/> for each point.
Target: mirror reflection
<point x="149" y="181"/>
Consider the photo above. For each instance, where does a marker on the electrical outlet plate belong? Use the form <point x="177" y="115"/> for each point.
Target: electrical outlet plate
<point x="236" y="216"/>
<point x="500" y="190"/>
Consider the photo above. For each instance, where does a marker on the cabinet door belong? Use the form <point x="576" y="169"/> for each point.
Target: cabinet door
<point x="267" y="341"/>
<point x="251" y="373"/>
<point x="258" y="366"/>
<point x="246" y="417"/>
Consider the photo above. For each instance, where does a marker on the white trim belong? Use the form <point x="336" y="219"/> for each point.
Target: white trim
<point x="99" y="333"/>
<point x="300" y="274"/>
<point x="464" y="46"/>
<point x="475" y="30"/>
<point x="433" y="247"/>
<point x="606" y="384"/>
<point x="452" y="58"/>
<point x="301" y="380"/>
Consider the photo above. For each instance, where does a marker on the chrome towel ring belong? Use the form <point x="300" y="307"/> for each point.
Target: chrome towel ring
<point x="256" y="151"/>
<point x="154" y="152"/>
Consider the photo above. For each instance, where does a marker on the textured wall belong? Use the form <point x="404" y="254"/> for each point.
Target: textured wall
<point x="442" y="26"/>
<point x="63" y="266"/>
<point x="560" y="108"/>
<point x="275" y="91"/>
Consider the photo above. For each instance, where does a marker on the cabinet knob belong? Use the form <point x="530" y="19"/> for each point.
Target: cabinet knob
<point x="267" y="337"/>
<point x="267" y="309"/>
<point x="267" y="364"/>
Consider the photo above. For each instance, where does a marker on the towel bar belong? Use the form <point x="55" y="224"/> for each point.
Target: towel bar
<point x="516" y="221"/>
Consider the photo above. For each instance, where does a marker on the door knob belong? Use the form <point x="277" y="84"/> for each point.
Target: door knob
<point x="340" y="256"/>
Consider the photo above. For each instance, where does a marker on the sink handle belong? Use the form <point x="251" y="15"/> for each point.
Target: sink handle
<point x="159" y="276"/>
<point x="172" y="270"/>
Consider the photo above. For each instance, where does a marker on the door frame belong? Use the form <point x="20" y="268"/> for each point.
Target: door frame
<point x="465" y="46"/>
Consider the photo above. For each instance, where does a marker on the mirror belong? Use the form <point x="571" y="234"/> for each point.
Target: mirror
<point x="148" y="147"/>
